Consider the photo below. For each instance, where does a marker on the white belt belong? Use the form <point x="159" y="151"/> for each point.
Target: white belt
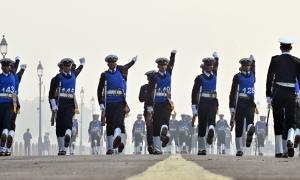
<point x="114" y="92"/>
<point x="209" y="95"/>
<point x="66" y="95"/>
<point x="243" y="95"/>
<point x="291" y="85"/>
<point x="161" y="94"/>
<point x="6" y="95"/>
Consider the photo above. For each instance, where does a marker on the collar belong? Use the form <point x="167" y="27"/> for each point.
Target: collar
<point x="112" y="70"/>
<point x="161" y="73"/>
<point x="285" y="52"/>
<point x="207" y="73"/>
<point x="66" y="74"/>
<point x="245" y="73"/>
<point x="5" y="74"/>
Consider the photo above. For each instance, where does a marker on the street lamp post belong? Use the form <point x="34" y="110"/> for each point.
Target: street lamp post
<point x="93" y="104"/>
<point x="40" y="74"/>
<point x="3" y="47"/>
<point x="81" y="109"/>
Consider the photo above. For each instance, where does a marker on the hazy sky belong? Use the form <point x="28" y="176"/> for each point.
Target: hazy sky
<point x="51" y="30"/>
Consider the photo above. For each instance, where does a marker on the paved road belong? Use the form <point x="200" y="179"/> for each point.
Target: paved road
<point x="148" y="167"/>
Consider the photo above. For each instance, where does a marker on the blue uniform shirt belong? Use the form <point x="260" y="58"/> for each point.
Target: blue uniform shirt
<point x="68" y="84"/>
<point x="163" y="87"/>
<point x="7" y="86"/>
<point x="115" y="82"/>
<point x="208" y="84"/>
<point x="246" y="83"/>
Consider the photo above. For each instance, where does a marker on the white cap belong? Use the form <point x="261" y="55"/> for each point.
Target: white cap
<point x="286" y="40"/>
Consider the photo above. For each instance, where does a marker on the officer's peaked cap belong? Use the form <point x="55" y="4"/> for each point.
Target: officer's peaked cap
<point x="6" y="61"/>
<point x="208" y="60"/>
<point x="150" y="72"/>
<point x="162" y="61"/>
<point x="285" y="40"/>
<point x="246" y="60"/>
<point x="66" y="61"/>
<point x="111" y="58"/>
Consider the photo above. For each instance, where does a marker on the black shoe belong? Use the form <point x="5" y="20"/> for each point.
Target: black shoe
<point x="120" y="148"/>
<point x="297" y="141"/>
<point x="260" y="154"/>
<point x="150" y="149"/>
<point x="239" y="153"/>
<point x="109" y="152"/>
<point x="285" y="155"/>
<point x="249" y="136"/>
<point x="290" y="147"/>
<point x="117" y="142"/>
<point x="3" y="140"/>
<point x="61" y="153"/>
<point x="9" y="141"/>
<point x="210" y="136"/>
<point x="163" y="137"/>
<point x="67" y="140"/>
<point x="279" y="155"/>
<point x="2" y="153"/>
<point x="155" y="152"/>
<point x="7" y="153"/>
<point x="223" y="152"/>
<point x="202" y="152"/>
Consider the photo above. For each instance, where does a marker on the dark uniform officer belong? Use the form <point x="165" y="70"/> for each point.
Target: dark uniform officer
<point x="12" y="124"/>
<point x="221" y="128"/>
<point x="142" y="98"/>
<point x="27" y="145"/>
<point x="159" y="101"/>
<point x="173" y="129"/>
<point x="283" y="71"/>
<point x="260" y="131"/>
<point x="138" y="134"/>
<point x="74" y="136"/>
<point x="95" y="132"/>
<point x="204" y="101"/>
<point x="7" y="100"/>
<point x="112" y="99"/>
<point x="64" y="101"/>
<point x="242" y="92"/>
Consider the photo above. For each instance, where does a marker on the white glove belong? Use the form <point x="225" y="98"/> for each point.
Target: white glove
<point x="102" y="108"/>
<point x="194" y="110"/>
<point x="53" y="105"/>
<point x="251" y="57"/>
<point x="17" y="58"/>
<point x="174" y="51"/>
<point x="150" y="109"/>
<point x="269" y="102"/>
<point x="215" y="55"/>
<point x="134" y="59"/>
<point x="23" y="66"/>
<point x="232" y="110"/>
<point x="82" y="61"/>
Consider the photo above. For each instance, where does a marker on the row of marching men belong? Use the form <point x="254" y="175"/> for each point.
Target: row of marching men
<point x="283" y="71"/>
<point x="9" y="102"/>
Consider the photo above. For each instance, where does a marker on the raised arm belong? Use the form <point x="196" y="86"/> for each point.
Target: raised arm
<point x="172" y="61"/>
